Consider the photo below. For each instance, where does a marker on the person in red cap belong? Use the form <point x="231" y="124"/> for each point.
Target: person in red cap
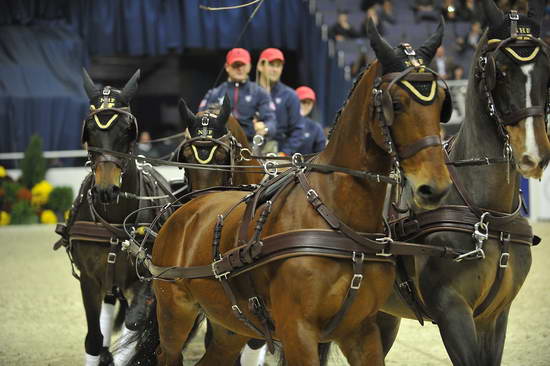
<point x="314" y="137"/>
<point x="251" y="105"/>
<point x="290" y="126"/>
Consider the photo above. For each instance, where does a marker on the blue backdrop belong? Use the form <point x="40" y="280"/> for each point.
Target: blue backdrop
<point x="45" y="43"/>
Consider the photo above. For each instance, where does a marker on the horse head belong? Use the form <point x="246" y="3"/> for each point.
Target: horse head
<point x="210" y="144"/>
<point x="110" y="126"/>
<point x="513" y="75"/>
<point x="409" y="104"/>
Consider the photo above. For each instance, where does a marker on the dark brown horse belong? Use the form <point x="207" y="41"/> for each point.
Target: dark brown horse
<point x="506" y="101"/>
<point x="303" y="293"/>
<point x="216" y="139"/>
<point x="94" y="230"/>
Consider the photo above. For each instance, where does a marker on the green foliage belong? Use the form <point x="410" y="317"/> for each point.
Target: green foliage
<point x="22" y="213"/>
<point x="60" y="199"/>
<point x="10" y="192"/>
<point x="33" y="165"/>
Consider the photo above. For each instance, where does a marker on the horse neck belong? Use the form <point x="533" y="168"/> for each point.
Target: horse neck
<point x="117" y="212"/>
<point x="351" y="146"/>
<point x="488" y="186"/>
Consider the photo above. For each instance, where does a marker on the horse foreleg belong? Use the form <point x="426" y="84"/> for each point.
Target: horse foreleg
<point x="300" y="342"/>
<point x="491" y="338"/>
<point x="223" y="347"/>
<point x="362" y="346"/>
<point x="389" y="326"/>
<point x="456" y="326"/>
<point x="176" y="316"/>
<point x="91" y="297"/>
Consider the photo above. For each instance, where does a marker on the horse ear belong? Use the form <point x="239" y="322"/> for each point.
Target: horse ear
<point x="89" y="85"/>
<point x="536" y="10"/>
<point x="492" y="13"/>
<point x="225" y="110"/>
<point x="187" y="117"/>
<point x="382" y="49"/>
<point x="131" y="87"/>
<point x="428" y="48"/>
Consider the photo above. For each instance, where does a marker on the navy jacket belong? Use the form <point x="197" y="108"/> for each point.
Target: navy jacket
<point x="246" y="99"/>
<point x="314" y="138"/>
<point x="290" y="126"/>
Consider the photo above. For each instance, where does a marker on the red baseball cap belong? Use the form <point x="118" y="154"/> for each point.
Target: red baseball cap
<point x="305" y="92"/>
<point x="237" y="55"/>
<point x="272" y="54"/>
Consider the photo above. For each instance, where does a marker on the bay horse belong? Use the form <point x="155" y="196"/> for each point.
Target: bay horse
<point x="216" y="139"/>
<point x="502" y="137"/>
<point x="93" y="232"/>
<point x="307" y="297"/>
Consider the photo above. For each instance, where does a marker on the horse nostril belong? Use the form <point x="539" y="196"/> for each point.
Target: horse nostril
<point x="425" y="190"/>
<point x="527" y="162"/>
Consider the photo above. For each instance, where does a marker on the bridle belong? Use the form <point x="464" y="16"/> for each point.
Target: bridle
<point x="228" y="143"/>
<point x="384" y="113"/>
<point x="486" y="73"/>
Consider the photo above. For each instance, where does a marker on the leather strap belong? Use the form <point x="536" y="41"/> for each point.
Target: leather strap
<point x="354" y="286"/>
<point x="502" y="265"/>
<point x="512" y="118"/>
<point x="110" y="280"/>
<point x="407" y="151"/>
<point x="493" y="218"/>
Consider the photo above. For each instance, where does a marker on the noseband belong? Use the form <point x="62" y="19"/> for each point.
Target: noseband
<point x="487" y="74"/>
<point x="383" y="106"/>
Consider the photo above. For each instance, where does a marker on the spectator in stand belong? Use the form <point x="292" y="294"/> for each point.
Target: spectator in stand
<point x="449" y="10"/>
<point x="458" y="73"/>
<point x="145" y="147"/>
<point x="342" y="30"/>
<point x="471" y="39"/>
<point x="387" y="12"/>
<point x="467" y="11"/>
<point x="290" y="125"/>
<point x="248" y="99"/>
<point x="442" y="64"/>
<point x="314" y="138"/>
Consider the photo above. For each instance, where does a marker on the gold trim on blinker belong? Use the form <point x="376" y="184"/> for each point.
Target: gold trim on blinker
<point x="209" y="157"/>
<point x="101" y="125"/>
<point x="415" y="91"/>
<point x="514" y="54"/>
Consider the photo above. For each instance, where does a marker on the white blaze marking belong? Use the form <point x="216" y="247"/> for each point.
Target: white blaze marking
<point x="531" y="147"/>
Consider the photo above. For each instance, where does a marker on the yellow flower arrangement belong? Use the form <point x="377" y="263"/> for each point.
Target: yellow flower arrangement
<point x="3" y="172"/>
<point x="40" y="193"/>
<point x="5" y="218"/>
<point x="48" y="217"/>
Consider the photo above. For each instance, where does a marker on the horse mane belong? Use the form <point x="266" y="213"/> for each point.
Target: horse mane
<point x="350" y="93"/>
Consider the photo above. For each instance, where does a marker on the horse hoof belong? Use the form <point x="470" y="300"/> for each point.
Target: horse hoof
<point x="105" y="357"/>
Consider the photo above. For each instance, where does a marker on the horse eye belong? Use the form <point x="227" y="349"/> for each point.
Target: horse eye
<point x="397" y="107"/>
